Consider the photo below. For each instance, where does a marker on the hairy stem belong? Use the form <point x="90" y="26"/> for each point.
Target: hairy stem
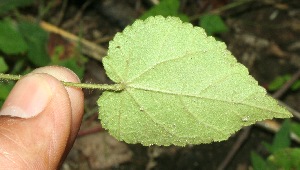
<point x="111" y="87"/>
<point x="9" y="77"/>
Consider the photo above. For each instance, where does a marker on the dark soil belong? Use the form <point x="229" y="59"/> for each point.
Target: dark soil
<point x="264" y="36"/>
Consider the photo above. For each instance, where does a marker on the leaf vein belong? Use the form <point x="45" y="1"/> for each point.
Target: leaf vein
<point x="201" y="97"/>
<point x="195" y="117"/>
<point x="115" y="73"/>
<point x="162" y="62"/>
<point x="152" y="119"/>
<point x="217" y="81"/>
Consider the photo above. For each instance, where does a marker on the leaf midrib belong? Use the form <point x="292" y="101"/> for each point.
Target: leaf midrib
<point x="198" y="97"/>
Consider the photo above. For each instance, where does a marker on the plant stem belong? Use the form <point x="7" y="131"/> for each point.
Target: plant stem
<point x="110" y="87"/>
<point x="10" y="77"/>
<point x="113" y="87"/>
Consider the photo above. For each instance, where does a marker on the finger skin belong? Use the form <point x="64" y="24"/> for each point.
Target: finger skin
<point x="75" y="94"/>
<point x="40" y="142"/>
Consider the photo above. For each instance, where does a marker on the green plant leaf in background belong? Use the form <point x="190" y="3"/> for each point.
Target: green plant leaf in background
<point x="36" y="39"/>
<point x="296" y="85"/>
<point x="75" y="62"/>
<point x="5" y="88"/>
<point x="180" y="87"/>
<point x="287" y="158"/>
<point x="3" y="65"/>
<point x="166" y="8"/>
<point x="7" y="5"/>
<point x="282" y="138"/>
<point x="11" y="40"/>
<point x="295" y="128"/>
<point x="258" y="162"/>
<point x="279" y="81"/>
<point x="213" y="24"/>
<point x="282" y="156"/>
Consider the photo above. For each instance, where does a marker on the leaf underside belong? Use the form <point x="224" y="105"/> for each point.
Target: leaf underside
<point x="181" y="87"/>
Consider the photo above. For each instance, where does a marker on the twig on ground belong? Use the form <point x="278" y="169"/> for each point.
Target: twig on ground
<point x="78" y="15"/>
<point x="287" y="85"/>
<point x="90" y="131"/>
<point x="242" y="137"/>
<point x="88" y="48"/>
<point x="104" y="39"/>
<point x="294" y="112"/>
<point x="61" y="13"/>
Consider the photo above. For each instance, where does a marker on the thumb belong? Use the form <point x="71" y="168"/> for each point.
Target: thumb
<point x="37" y="120"/>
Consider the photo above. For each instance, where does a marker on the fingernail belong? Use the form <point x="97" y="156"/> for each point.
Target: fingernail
<point x="29" y="97"/>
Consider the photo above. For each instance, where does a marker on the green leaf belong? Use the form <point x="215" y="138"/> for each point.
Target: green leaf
<point x="6" y="5"/>
<point x="3" y="65"/>
<point x="282" y="137"/>
<point x="295" y="128"/>
<point x="296" y="85"/>
<point x="258" y="162"/>
<point x="75" y="62"/>
<point x="268" y="146"/>
<point x="5" y="88"/>
<point x="180" y="87"/>
<point x="287" y="158"/>
<point x="278" y="82"/>
<point x="166" y="8"/>
<point x="11" y="41"/>
<point x="36" y="39"/>
<point x="213" y="24"/>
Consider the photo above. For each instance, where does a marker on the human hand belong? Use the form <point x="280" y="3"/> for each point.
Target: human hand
<point x="40" y="119"/>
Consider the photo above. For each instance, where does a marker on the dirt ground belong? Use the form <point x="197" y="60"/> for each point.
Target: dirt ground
<point x="264" y="36"/>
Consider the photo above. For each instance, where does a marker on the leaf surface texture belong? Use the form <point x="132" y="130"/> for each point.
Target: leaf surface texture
<point x="181" y="87"/>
